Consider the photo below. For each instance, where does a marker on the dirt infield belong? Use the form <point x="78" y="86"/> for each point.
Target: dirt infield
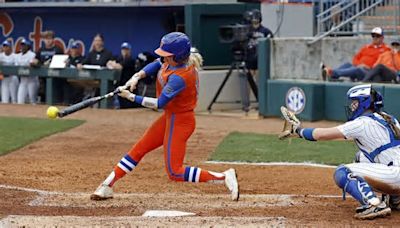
<point x="49" y="181"/>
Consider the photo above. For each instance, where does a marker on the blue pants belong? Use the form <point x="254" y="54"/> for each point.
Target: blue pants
<point x="348" y="70"/>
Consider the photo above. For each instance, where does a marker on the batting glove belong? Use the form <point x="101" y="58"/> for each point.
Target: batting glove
<point x="133" y="81"/>
<point x="127" y="95"/>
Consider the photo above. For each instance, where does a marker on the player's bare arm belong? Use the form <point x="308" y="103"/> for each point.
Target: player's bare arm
<point x="327" y="133"/>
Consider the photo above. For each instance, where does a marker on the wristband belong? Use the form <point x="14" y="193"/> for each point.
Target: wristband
<point x="306" y="133"/>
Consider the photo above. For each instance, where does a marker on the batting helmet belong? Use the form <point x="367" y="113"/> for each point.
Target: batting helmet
<point x="126" y="45"/>
<point x="367" y="97"/>
<point x="26" y="42"/>
<point x="6" y="43"/>
<point x="175" y="44"/>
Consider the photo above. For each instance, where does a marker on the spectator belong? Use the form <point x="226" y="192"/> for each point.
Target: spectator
<point x="146" y="86"/>
<point x="98" y="55"/>
<point x="363" y="61"/>
<point x="43" y="58"/>
<point x="44" y="55"/>
<point x="9" y="84"/>
<point x="257" y="31"/>
<point x="29" y="85"/>
<point x="73" y="90"/>
<point x="387" y="67"/>
<point x="126" y="64"/>
<point x="75" y="57"/>
<point x="1" y="74"/>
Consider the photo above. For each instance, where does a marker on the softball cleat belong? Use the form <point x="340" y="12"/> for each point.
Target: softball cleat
<point x="103" y="192"/>
<point x="232" y="183"/>
<point x="371" y="212"/>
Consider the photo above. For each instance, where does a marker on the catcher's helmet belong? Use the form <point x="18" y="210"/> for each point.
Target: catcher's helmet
<point x="175" y="44"/>
<point x="367" y="97"/>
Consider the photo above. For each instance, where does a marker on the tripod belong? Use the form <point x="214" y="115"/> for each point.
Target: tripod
<point x="244" y="75"/>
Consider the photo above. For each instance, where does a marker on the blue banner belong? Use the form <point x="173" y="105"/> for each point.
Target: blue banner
<point x="142" y="27"/>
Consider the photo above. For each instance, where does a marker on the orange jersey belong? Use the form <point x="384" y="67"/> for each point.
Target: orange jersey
<point x="186" y="100"/>
<point x="369" y="54"/>
<point x="390" y="60"/>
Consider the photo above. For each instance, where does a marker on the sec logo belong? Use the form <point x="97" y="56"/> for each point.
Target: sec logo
<point x="295" y="100"/>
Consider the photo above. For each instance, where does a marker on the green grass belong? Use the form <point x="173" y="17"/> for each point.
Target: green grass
<point x="252" y="147"/>
<point x="17" y="132"/>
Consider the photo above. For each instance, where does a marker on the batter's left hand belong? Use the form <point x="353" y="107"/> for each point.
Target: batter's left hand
<point x="126" y="94"/>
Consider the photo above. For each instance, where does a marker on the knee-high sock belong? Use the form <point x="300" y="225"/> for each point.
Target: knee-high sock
<point x="195" y="174"/>
<point x="124" y="166"/>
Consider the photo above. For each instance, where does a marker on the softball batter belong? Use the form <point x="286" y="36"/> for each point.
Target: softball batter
<point x="377" y="163"/>
<point x="177" y="91"/>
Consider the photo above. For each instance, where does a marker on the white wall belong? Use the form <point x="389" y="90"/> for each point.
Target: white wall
<point x="210" y="80"/>
<point x="298" y="20"/>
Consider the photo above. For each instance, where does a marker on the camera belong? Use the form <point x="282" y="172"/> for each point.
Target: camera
<point x="239" y="34"/>
<point x="234" y="33"/>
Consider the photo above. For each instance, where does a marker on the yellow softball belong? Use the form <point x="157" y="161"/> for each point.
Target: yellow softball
<point x="52" y="112"/>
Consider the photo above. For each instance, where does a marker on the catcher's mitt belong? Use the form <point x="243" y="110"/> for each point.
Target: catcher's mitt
<point x="290" y="125"/>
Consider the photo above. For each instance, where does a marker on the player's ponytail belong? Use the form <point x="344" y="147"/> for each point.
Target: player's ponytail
<point x="195" y="59"/>
<point x="377" y="105"/>
<point x="392" y="124"/>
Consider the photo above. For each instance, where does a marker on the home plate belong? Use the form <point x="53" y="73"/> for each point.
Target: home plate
<point x="165" y="213"/>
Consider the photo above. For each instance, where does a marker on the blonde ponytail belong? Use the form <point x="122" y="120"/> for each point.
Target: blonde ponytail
<point x="195" y="59"/>
<point x="391" y="123"/>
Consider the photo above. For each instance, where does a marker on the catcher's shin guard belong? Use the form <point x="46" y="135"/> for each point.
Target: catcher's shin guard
<point x="355" y="186"/>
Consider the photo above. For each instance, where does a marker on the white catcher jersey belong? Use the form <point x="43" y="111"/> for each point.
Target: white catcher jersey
<point x="369" y="134"/>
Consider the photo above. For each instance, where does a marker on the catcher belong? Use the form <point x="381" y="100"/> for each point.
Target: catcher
<point x="377" y="163"/>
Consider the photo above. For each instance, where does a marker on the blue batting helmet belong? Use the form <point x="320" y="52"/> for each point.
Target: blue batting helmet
<point x="6" y="43"/>
<point x="126" y="45"/>
<point x="26" y="42"/>
<point x="175" y="44"/>
<point x="367" y="98"/>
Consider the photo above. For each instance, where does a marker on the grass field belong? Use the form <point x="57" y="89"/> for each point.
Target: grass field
<point x="18" y="132"/>
<point x="252" y="147"/>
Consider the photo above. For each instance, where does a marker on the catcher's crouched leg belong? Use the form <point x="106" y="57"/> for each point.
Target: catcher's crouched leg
<point x="359" y="189"/>
<point x="350" y="184"/>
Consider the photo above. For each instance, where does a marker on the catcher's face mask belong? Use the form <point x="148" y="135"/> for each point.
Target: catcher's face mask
<point x="359" y="101"/>
<point x="350" y="108"/>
